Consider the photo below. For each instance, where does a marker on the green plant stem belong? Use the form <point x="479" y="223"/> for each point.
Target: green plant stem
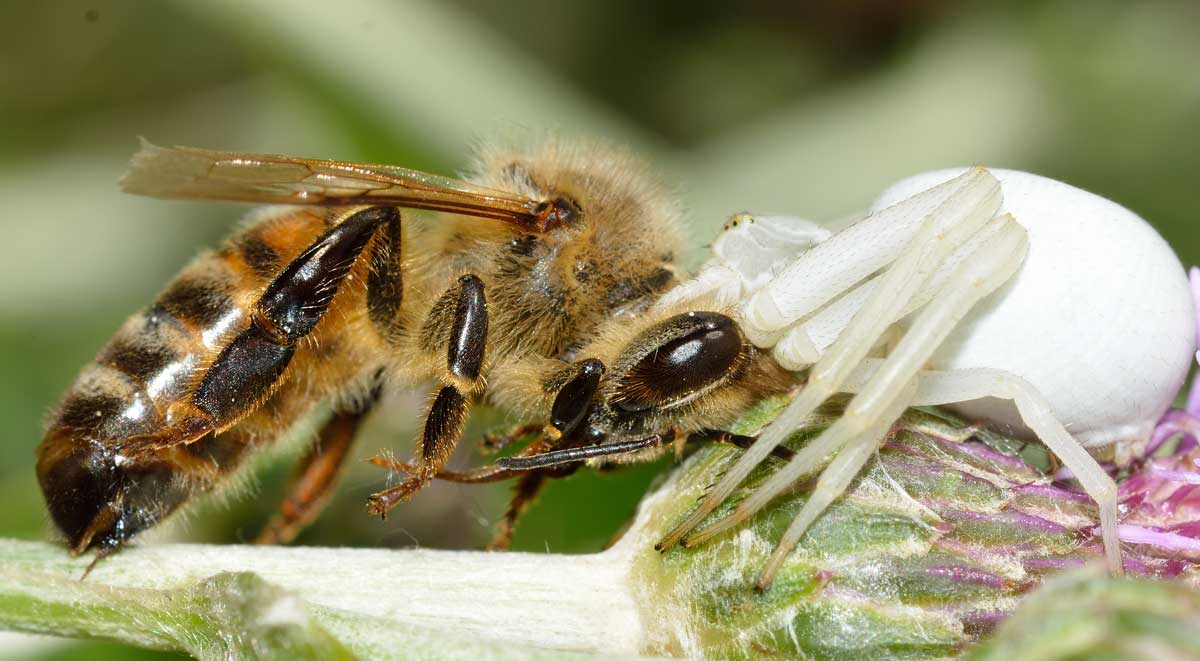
<point x="252" y="602"/>
<point x="935" y="542"/>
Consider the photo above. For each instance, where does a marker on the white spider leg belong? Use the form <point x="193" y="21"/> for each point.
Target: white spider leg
<point x="806" y="341"/>
<point x="716" y="283"/>
<point x="835" y="479"/>
<point x="835" y="265"/>
<point x="883" y="397"/>
<point x="969" y="207"/>
<point x="967" y="384"/>
<point x="746" y="255"/>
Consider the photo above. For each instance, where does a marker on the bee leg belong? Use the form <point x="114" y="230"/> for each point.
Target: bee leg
<point x="312" y="483"/>
<point x="736" y="440"/>
<point x="527" y="487"/>
<point x="443" y="423"/>
<point x="385" y="289"/>
<point x="525" y="491"/>
<point x="567" y="412"/>
<point x="492" y="443"/>
<point x="252" y="364"/>
<point x="483" y="474"/>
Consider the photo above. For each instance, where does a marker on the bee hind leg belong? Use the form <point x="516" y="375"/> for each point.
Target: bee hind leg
<point x="312" y="482"/>
<point x="524" y="493"/>
<point x="254" y="362"/>
<point x="385" y="285"/>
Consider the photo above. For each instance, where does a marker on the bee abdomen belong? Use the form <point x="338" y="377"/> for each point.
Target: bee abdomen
<point x="159" y="355"/>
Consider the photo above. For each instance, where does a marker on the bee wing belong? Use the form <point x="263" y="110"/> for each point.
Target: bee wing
<point x="188" y="172"/>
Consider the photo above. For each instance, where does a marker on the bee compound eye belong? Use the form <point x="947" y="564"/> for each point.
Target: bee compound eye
<point x="680" y="357"/>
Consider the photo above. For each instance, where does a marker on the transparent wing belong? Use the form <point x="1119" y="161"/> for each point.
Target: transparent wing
<point x="188" y="172"/>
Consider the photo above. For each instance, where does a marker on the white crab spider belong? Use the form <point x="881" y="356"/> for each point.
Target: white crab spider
<point x="1083" y="337"/>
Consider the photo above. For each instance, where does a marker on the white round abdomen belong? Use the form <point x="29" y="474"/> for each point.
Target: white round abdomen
<point x="1099" y="318"/>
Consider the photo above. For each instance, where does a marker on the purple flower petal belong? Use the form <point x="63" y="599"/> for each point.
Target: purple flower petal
<point x="1168" y="541"/>
<point x="1176" y="421"/>
<point x="1193" y="399"/>
<point x="1189" y="529"/>
<point x="1186" y="477"/>
<point x="1052" y="492"/>
<point x="968" y="576"/>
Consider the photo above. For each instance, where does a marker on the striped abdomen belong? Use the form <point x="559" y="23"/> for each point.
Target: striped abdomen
<point x="144" y="384"/>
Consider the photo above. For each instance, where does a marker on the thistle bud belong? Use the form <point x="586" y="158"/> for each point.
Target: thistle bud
<point x="934" y="544"/>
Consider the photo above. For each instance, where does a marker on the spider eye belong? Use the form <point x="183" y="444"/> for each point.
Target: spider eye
<point x="680" y="358"/>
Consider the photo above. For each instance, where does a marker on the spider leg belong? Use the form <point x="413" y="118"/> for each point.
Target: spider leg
<point x="835" y="265"/>
<point x="968" y="384"/>
<point x="807" y="340"/>
<point x="834" y="480"/>
<point x="885" y="396"/>
<point x="949" y="225"/>
<point x="747" y="254"/>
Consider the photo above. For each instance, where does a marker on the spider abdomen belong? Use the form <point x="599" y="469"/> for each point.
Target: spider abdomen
<point x="1099" y="318"/>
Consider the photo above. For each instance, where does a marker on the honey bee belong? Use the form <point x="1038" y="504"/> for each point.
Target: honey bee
<point x="531" y="287"/>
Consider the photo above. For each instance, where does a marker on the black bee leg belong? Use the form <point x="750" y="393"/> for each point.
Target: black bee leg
<point x="248" y="369"/>
<point x="492" y="443"/>
<point x="312" y="483"/>
<point x="736" y="440"/>
<point x="574" y="398"/>
<point x="385" y="290"/>
<point x="443" y="423"/>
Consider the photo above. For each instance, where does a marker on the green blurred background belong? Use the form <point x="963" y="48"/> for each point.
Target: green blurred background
<point x="805" y="108"/>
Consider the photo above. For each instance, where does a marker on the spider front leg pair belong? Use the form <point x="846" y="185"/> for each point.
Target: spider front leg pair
<point x="941" y="251"/>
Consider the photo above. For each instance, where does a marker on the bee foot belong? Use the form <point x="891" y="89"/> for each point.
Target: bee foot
<point x="381" y="503"/>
